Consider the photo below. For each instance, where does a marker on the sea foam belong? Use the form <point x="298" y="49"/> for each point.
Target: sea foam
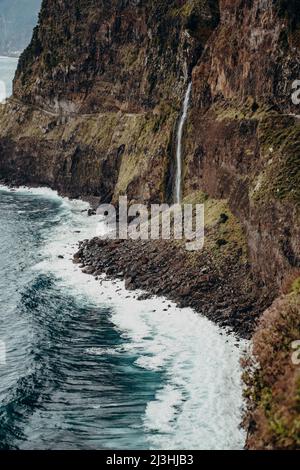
<point x="199" y="404"/>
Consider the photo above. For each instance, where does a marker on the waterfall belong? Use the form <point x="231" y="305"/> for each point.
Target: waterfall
<point x="179" y="144"/>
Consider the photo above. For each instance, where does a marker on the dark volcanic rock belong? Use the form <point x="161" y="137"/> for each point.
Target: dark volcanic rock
<point x="226" y="296"/>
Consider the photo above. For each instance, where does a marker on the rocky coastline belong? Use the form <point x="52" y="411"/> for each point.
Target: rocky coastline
<point x="97" y="98"/>
<point x="219" y="286"/>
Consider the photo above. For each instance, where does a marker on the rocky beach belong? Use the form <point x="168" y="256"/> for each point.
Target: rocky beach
<point x="219" y="287"/>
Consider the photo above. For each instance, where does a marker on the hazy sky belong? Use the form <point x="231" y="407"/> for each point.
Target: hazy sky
<point x="17" y="19"/>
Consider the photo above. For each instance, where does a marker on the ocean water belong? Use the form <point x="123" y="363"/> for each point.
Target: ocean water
<point x="88" y="366"/>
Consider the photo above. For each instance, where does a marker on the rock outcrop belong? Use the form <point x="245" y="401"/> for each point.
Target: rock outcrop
<point x="97" y="95"/>
<point x="243" y="141"/>
<point x="215" y="281"/>
<point x="274" y="386"/>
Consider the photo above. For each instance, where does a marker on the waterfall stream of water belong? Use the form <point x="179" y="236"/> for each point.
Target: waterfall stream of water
<point x="183" y="118"/>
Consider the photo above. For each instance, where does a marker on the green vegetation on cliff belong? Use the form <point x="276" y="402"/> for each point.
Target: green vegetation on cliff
<point x="95" y="110"/>
<point x="280" y="140"/>
<point x="273" y="387"/>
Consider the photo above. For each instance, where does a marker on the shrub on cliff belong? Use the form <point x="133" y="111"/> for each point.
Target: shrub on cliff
<point x="273" y="387"/>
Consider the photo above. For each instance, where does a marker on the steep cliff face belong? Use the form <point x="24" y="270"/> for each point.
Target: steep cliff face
<point x="243" y="142"/>
<point x="273" y="391"/>
<point x="98" y="92"/>
<point x="113" y="55"/>
<point x="97" y="95"/>
<point x="96" y="102"/>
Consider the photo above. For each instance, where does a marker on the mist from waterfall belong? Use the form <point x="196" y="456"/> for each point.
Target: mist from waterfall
<point x="183" y="118"/>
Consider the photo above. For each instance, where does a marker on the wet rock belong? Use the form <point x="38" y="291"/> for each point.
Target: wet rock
<point x="145" y="296"/>
<point x="88" y="270"/>
<point x="190" y="280"/>
<point x="223" y="219"/>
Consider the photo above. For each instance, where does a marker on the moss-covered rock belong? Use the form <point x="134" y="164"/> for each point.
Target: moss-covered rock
<point x="279" y="137"/>
<point x="273" y="386"/>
